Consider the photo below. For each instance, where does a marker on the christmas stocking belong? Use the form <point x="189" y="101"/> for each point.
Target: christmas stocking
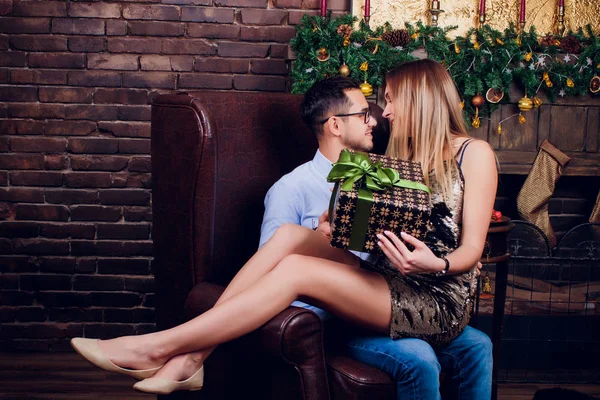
<point x="533" y="199"/>
<point x="595" y="217"/>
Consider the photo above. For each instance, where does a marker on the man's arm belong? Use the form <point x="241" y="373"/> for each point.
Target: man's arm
<point x="281" y="207"/>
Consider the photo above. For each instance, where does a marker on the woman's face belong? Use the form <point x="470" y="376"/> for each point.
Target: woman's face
<point x="388" y="111"/>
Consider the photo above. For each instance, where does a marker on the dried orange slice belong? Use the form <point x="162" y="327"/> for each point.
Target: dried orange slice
<point x="494" y="95"/>
<point x="595" y="84"/>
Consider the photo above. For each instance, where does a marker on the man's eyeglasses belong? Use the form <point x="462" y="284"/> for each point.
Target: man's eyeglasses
<point x="366" y="114"/>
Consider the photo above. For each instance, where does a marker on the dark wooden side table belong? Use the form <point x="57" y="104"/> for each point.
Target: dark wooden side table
<point x="497" y="251"/>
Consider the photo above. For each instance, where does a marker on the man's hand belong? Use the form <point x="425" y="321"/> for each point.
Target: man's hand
<point x="324" y="227"/>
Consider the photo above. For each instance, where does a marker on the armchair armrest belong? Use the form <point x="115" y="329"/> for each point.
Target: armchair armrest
<point x="294" y="335"/>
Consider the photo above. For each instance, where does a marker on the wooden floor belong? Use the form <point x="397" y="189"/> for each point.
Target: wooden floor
<point x="66" y="376"/>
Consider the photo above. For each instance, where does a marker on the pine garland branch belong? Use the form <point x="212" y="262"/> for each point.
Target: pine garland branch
<point x="484" y="61"/>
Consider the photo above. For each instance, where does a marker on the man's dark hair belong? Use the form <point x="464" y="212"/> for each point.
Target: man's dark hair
<point x="325" y="98"/>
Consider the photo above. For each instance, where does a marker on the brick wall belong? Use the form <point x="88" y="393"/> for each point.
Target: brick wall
<point x="76" y="79"/>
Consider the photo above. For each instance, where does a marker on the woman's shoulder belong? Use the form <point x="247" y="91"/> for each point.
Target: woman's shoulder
<point x="476" y="154"/>
<point x="463" y="146"/>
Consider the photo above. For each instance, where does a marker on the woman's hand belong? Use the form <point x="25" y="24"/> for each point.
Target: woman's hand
<point x="420" y="260"/>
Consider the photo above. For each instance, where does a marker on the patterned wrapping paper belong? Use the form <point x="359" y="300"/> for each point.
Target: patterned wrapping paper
<point x="396" y="209"/>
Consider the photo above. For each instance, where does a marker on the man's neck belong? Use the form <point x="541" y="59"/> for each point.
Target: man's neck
<point x="331" y="149"/>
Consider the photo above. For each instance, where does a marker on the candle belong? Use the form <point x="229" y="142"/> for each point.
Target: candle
<point x="522" y="15"/>
<point x="481" y="7"/>
<point x="561" y="3"/>
<point x="367" y="8"/>
<point x="323" y="8"/>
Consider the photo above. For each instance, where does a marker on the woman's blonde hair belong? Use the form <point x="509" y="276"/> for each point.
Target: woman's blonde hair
<point x="427" y="113"/>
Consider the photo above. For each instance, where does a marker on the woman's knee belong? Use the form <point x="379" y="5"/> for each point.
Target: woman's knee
<point x="289" y="231"/>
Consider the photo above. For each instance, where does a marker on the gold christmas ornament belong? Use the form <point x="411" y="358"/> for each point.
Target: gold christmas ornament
<point x="500" y="42"/>
<point x="364" y="66"/>
<point x="322" y="54"/>
<point x="476" y="46"/>
<point x="462" y="105"/>
<point x="525" y="104"/>
<point x="366" y="88"/>
<point x="476" y="121"/>
<point x="415" y="35"/>
<point x="487" y="285"/>
<point x="522" y="119"/>
<point x="499" y="129"/>
<point x="494" y="95"/>
<point x="595" y="84"/>
<point x="344" y="70"/>
<point x="537" y="102"/>
<point x="346" y="41"/>
<point x="528" y="56"/>
<point x="477" y="100"/>
<point x="570" y="82"/>
<point x="456" y="49"/>
<point x="518" y="41"/>
<point x="546" y="78"/>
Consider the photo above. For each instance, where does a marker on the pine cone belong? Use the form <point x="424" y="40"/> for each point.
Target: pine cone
<point x="548" y="40"/>
<point x="398" y="37"/>
<point x="570" y="44"/>
<point x="344" y="30"/>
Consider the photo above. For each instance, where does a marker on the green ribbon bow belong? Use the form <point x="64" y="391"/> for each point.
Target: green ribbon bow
<point x="354" y="167"/>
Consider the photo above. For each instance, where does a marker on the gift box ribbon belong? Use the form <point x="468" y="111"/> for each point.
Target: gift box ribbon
<point x="354" y="167"/>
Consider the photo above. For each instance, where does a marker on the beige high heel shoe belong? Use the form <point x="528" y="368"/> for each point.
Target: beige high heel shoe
<point x="164" y="386"/>
<point x="89" y="349"/>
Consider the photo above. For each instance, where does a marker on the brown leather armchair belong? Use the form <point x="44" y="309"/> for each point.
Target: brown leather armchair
<point x="214" y="156"/>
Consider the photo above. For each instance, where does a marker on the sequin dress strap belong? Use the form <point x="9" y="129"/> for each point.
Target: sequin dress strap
<point x="461" y="150"/>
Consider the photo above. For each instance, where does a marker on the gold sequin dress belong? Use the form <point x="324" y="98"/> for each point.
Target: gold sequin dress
<point x="426" y="306"/>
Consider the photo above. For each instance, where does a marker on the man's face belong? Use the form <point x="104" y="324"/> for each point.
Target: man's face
<point x="355" y="134"/>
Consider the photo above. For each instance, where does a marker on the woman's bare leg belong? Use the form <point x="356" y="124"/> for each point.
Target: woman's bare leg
<point x="288" y="239"/>
<point x="354" y="294"/>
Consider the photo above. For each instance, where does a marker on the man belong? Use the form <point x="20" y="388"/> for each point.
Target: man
<point x="338" y="113"/>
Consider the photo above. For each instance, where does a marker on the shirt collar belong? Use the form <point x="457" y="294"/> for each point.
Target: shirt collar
<point x="322" y="164"/>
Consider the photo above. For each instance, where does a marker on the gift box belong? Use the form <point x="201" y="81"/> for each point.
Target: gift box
<point x="374" y="193"/>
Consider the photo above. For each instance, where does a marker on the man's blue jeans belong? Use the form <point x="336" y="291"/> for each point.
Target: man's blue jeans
<point x="415" y="365"/>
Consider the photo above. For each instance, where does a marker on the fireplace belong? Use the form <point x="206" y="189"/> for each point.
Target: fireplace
<point x="552" y="311"/>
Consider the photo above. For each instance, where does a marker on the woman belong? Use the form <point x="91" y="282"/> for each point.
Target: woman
<point x="423" y="293"/>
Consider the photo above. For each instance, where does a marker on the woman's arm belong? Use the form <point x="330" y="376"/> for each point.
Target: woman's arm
<point x="481" y="180"/>
<point x="480" y="171"/>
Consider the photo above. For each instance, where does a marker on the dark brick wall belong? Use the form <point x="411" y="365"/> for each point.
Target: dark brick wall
<point x="76" y="79"/>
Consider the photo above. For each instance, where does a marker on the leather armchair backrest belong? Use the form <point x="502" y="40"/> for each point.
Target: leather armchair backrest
<point x="258" y="137"/>
<point x="214" y="156"/>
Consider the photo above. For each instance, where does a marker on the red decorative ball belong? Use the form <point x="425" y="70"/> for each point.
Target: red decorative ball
<point x="496" y="215"/>
<point x="477" y="100"/>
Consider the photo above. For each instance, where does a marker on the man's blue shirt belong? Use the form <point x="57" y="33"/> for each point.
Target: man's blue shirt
<point x="299" y="197"/>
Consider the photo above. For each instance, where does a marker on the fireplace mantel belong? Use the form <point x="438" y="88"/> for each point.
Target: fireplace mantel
<point x="571" y="124"/>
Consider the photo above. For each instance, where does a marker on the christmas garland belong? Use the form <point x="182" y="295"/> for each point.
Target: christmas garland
<point x="483" y="63"/>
